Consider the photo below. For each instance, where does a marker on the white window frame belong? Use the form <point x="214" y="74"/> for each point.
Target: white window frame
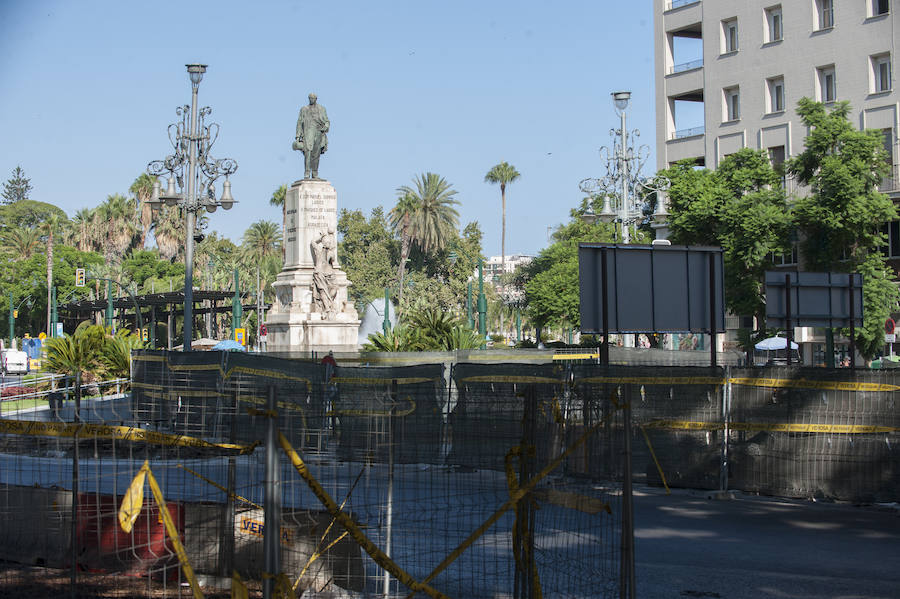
<point x="730" y="36"/>
<point x="825" y="90"/>
<point x="774" y="24"/>
<point x="775" y="94"/>
<point x="732" y="103"/>
<point x="881" y="73"/>
<point x="824" y="14"/>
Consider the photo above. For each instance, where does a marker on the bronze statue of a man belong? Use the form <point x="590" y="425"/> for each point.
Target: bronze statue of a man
<point x="312" y="125"/>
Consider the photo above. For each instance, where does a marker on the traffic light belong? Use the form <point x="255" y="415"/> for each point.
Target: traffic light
<point x="79" y="277"/>
<point x="145" y="334"/>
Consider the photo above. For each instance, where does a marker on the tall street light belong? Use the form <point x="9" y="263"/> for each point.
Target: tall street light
<point x="623" y="184"/>
<point x="192" y="139"/>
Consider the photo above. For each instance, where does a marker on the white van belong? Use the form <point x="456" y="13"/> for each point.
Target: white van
<point x="14" y="361"/>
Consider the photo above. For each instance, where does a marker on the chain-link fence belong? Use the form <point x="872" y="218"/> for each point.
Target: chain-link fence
<point x="445" y="479"/>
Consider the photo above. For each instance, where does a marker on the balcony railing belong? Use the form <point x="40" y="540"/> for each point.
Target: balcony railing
<point x="681" y="133"/>
<point x="686" y="66"/>
<point x="677" y="3"/>
<point x="888" y="184"/>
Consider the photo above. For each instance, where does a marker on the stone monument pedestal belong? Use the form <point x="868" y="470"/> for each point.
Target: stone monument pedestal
<point x="297" y="322"/>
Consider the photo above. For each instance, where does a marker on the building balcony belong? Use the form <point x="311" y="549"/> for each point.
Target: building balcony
<point x="685" y="66"/>
<point x="686" y="84"/>
<point x="684" y="16"/>
<point x="686" y="143"/>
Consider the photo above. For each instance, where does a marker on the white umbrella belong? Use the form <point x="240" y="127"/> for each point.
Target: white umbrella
<point x="773" y="343"/>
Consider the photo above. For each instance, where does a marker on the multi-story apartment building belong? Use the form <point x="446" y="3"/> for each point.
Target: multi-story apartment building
<point x="729" y="74"/>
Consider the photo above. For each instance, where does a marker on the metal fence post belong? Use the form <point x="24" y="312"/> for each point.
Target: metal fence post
<point x="626" y="572"/>
<point x="726" y="420"/>
<point x="272" y="532"/>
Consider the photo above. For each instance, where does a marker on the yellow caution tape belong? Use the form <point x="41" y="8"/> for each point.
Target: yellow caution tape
<point x="131" y="507"/>
<point x="511" y="379"/>
<point x="518" y="495"/>
<point x="132" y="501"/>
<point x="377" y="555"/>
<point x="647" y="380"/>
<point x="117" y="433"/>
<point x="576" y="356"/>
<point x="810" y="384"/>
<point x="219" y="487"/>
<point x="771" y="426"/>
<point x="384" y="381"/>
<point x="655" y="461"/>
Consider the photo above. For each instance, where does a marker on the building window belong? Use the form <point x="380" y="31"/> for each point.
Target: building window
<point x="773" y="22"/>
<point x="881" y="73"/>
<point x="891" y="232"/>
<point x="786" y="259"/>
<point x="732" y="105"/>
<point x="880" y="7"/>
<point x="824" y="14"/>
<point x="827" y="84"/>
<point x="729" y="36"/>
<point x="775" y="98"/>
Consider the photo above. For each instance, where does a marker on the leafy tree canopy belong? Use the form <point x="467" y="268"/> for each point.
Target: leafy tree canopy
<point x="840" y="220"/>
<point x="28" y="213"/>
<point x="741" y="207"/>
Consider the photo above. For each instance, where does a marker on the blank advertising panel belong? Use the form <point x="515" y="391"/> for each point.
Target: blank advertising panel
<point x="650" y="288"/>
<point x="818" y="299"/>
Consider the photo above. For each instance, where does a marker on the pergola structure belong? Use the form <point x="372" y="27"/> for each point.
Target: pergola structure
<point x="154" y="308"/>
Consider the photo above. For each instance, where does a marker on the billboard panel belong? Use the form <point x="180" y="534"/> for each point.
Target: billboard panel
<point x="818" y="299"/>
<point x="650" y="288"/>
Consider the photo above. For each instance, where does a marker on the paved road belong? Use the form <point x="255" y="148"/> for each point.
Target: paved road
<point x="688" y="545"/>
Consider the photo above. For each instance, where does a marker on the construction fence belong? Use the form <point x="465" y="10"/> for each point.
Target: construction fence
<point x="440" y="479"/>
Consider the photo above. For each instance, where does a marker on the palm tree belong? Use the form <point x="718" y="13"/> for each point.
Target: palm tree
<point x="277" y="199"/>
<point x="169" y="231"/>
<point x="503" y="173"/>
<point x="142" y="188"/>
<point x="117" y="218"/>
<point x="80" y="234"/>
<point x="49" y="227"/>
<point x="401" y="218"/>
<point x="435" y="220"/>
<point x="261" y="239"/>
<point x="73" y="355"/>
<point x="22" y="242"/>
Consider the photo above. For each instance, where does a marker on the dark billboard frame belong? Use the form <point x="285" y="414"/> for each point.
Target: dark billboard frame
<point x="642" y="288"/>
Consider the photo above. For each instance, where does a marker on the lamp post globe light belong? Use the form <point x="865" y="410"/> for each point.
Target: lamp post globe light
<point x="623" y="187"/>
<point x="195" y="172"/>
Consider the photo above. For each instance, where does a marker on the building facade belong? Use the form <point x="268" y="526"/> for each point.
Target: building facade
<point x="729" y="74"/>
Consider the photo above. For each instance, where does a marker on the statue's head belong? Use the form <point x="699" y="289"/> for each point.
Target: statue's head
<point x="312" y="99"/>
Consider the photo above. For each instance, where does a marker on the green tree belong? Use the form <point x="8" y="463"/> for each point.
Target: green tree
<point x="741" y="207"/>
<point x="74" y="355"/>
<point x="28" y="213"/>
<point x="142" y="189"/>
<point x="502" y="174"/>
<point x="365" y="250"/>
<point x="402" y="217"/>
<point x="278" y="199"/>
<point x="840" y="220"/>
<point x="435" y="219"/>
<point x="551" y="279"/>
<point x="17" y="187"/>
<point x="261" y="239"/>
<point x="21" y="242"/>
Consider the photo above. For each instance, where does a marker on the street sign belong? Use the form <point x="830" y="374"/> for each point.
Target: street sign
<point x="42" y="335"/>
<point x="240" y="335"/>
<point x="79" y="277"/>
<point x="889" y="326"/>
<point x="890" y="337"/>
<point x="59" y="329"/>
<point x="263" y="330"/>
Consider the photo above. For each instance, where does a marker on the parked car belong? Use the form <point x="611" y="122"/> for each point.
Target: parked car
<point x="14" y="361"/>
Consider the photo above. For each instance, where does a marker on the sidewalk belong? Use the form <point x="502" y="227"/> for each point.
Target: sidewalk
<point x="688" y="545"/>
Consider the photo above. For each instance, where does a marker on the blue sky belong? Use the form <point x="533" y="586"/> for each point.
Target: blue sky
<point x="410" y="87"/>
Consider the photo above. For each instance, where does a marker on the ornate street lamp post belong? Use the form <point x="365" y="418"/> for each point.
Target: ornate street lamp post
<point x="192" y="139"/>
<point x="623" y="184"/>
